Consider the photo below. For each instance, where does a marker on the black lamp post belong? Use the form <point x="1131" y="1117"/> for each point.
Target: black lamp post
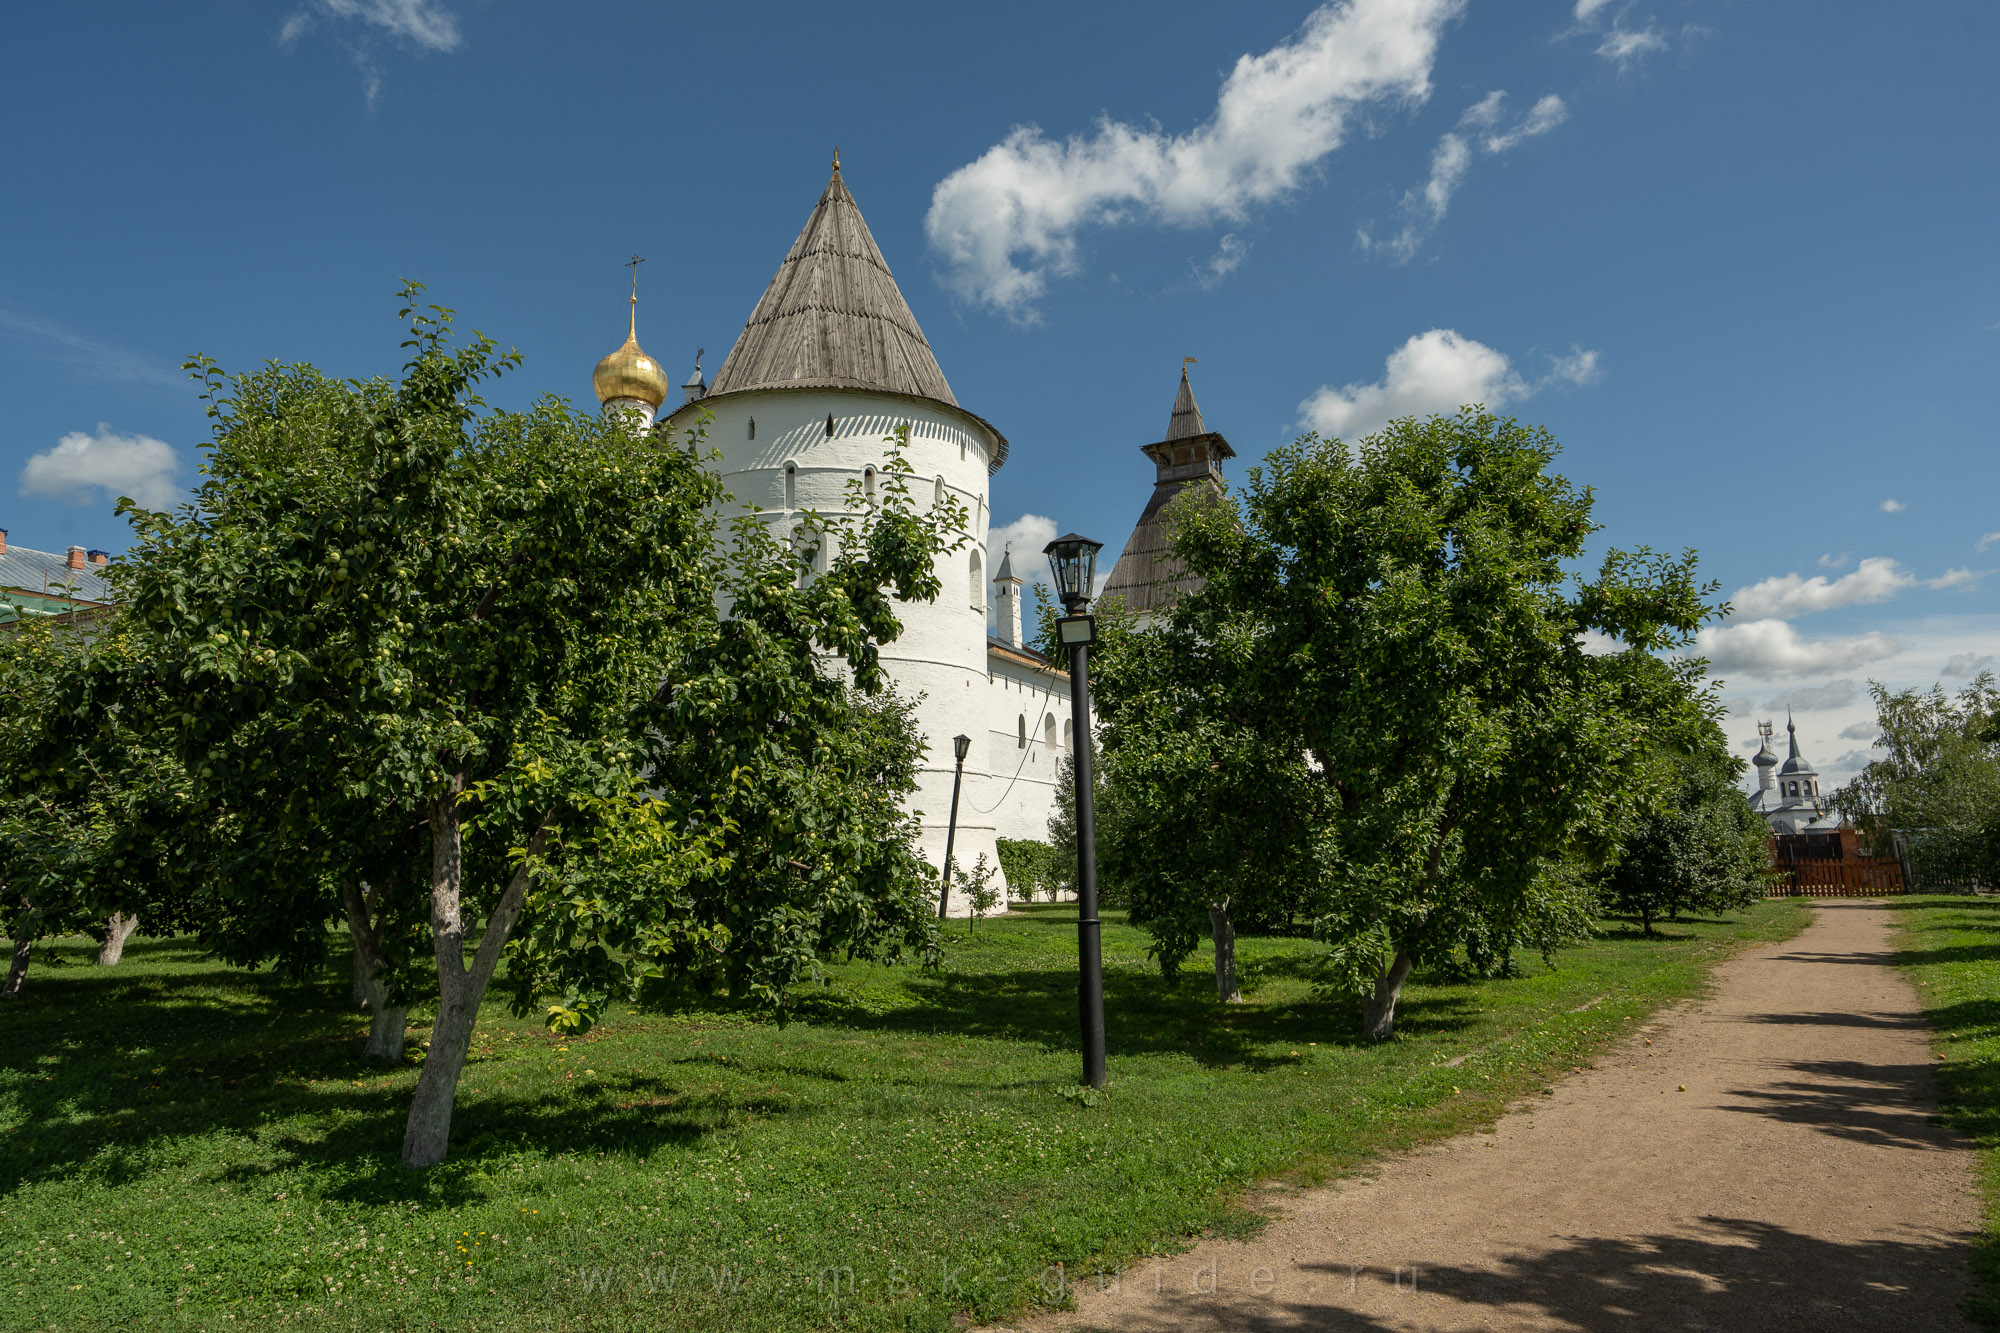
<point x="1073" y="560"/>
<point x="959" y="745"/>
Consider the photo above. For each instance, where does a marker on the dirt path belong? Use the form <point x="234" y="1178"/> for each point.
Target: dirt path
<point x="1796" y="1183"/>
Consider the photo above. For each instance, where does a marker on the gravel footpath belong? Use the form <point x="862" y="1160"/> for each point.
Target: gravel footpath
<point x="1761" y="1159"/>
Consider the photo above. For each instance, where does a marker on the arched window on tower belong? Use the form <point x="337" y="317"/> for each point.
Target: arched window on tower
<point x="1068" y="743"/>
<point x="1049" y="730"/>
<point x="868" y="483"/>
<point x="791" y="485"/>
<point x="829" y="425"/>
<point x="1021" y="732"/>
<point x="937" y="491"/>
<point x="977" y="591"/>
<point x="753" y="428"/>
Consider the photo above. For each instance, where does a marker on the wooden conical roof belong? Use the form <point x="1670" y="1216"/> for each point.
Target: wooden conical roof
<point x="1186" y="422"/>
<point x="833" y="317"/>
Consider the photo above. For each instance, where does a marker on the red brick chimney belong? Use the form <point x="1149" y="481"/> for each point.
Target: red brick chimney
<point x="75" y="557"/>
<point x="3" y="541"/>
<point x="97" y="557"/>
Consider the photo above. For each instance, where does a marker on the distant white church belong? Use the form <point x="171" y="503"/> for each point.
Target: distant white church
<point x="1789" y="799"/>
<point x="830" y="363"/>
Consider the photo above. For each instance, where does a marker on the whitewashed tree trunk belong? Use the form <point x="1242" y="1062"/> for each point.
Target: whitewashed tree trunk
<point x="1224" y="934"/>
<point x="1378" y="1011"/>
<point x="427" y="1138"/>
<point x="24" y="947"/>
<point x="386" y="1022"/>
<point x="116" y="931"/>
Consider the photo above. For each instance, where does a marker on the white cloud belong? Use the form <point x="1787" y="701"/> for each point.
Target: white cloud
<point x="1988" y="540"/>
<point x="1893" y="506"/>
<point x="1599" y="644"/>
<point x="1834" y="561"/>
<point x="423" y="23"/>
<point x="1860" y="731"/>
<point x="1229" y="253"/>
<point x="1622" y="46"/>
<point x="84" y="467"/>
<point x="1542" y="117"/>
<point x="1435" y="371"/>
<point x="1833" y="694"/>
<point x="1956" y="578"/>
<point x="1965" y="665"/>
<point x="1024" y="538"/>
<point x="1452" y="158"/>
<point x="1875" y="579"/>
<point x="1853" y="761"/>
<point x="87" y="355"/>
<point x="1767" y="648"/>
<point x="1008" y="221"/>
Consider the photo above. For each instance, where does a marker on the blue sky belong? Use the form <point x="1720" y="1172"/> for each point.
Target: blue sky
<point x="1739" y="258"/>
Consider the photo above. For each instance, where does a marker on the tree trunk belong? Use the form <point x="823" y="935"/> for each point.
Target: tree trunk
<point x="1646" y="919"/>
<point x="1224" y="934"/>
<point x="1378" y="1011"/>
<point x="386" y="1024"/>
<point x="24" y="945"/>
<point x="116" y="931"/>
<point x="386" y="1021"/>
<point x="427" y="1137"/>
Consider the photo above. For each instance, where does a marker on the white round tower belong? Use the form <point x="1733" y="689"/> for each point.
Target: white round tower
<point x="830" y="363"/>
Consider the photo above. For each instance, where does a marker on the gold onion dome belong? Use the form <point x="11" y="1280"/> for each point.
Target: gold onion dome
<point x="630" y="373"/>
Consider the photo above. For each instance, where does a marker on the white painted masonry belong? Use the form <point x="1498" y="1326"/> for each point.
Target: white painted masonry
<point x="829" y="366"/>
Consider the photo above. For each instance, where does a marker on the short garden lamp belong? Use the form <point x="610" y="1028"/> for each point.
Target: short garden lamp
<point x="1073" y="561"/>
<point x="960" y="744"/>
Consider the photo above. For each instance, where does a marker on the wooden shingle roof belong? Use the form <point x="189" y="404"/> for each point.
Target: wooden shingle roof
<point x="1148" y="577"/>
<point x="833" y="317"/>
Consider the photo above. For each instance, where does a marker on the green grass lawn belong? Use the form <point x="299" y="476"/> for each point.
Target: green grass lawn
<point x="185" y="1145"/>
<point x="1951" y="946"/>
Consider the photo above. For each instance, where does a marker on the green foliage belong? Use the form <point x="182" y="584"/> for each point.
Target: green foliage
<point x="92" y="816"/>
<point x="1701" y="850"/>
<point x="1032" y="868"/>
<point x="976" y="887"/>
<point x="908" y="1125"/>
<point x="1387" y="646"/>
<point x="1062" y="862"/>
<point x="1939" y="773"/>
<point x="460" y="676"/>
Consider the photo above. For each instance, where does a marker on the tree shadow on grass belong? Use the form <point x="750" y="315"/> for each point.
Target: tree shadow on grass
<point x="1144" y="1014"/>
<point x="106" y="1067"/>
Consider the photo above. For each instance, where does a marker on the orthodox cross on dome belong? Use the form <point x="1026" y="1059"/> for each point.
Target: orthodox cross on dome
<point x="836" y="159"/>
<point x="1764" y="730"/>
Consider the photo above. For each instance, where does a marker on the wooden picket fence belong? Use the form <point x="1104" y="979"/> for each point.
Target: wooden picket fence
<point x="1861" y="877"/>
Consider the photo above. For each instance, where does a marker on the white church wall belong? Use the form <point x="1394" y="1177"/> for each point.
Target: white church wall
<point x="939" y="660"/>
<point x="1019" y="795"/>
